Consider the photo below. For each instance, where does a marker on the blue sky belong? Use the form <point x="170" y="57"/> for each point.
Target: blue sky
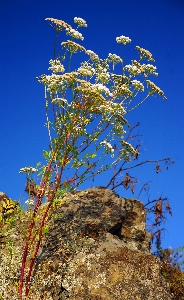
<point x="27" y="46"/>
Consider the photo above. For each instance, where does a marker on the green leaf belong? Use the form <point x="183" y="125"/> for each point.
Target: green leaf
<point x="45" y="229"/>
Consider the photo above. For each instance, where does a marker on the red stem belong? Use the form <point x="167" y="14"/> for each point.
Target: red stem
<point x="38" y="202"/>
<point x="40" y="233"/>
<point x="37" y="248"/>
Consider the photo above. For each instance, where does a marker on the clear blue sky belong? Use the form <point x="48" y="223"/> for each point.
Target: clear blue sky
<point x="27" y="46"/>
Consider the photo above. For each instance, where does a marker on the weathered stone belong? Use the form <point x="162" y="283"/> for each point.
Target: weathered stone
<point x="97" y="248"/>
<point x="112" y="271"/>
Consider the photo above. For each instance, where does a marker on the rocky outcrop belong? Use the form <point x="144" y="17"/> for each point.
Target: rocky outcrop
<point x="97" y="248"/>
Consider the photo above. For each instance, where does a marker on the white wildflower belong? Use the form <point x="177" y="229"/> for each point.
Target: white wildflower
<point x="134" y="70"/>
<point x="102" y="74"/>
<point x="81" y="22"/>
<point x="150" y="69"/>
<point x="116" y="107"/>
<point x="75" y="34"/>
<point x="137" y="85"/>
<point x="102" y="89"/>
<point x="93" y="55"/>
<point x="59" y="25"/>
<point x="56" y="66"/>
<point x="144" y="54"/>
<point x="72" y="46"/>
<point x="114" y="58"/>
<point x="128" y="146"/>
<point x="90" y="52"/>
<point x="103" y="77"/>
<point x="155" y="89"/>
<point x="108" y="147"/>
<point x="28" y="170"/>
<point x="86" y="70"/>
<point x="53" y="82"/>
<point x="123" y="40"/>
<point x="29" y="202"/>
<point x="60" y="101"/>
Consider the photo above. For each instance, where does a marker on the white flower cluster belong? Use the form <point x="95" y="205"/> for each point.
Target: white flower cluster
<point x="59" y="25"/>
<point x="116" y="107"/>
<point x="81" y="22"/>
<point x="155" y="89"/>
<point x="60" y="101"/>
<point x="128" y="146"/>
<point x="102" y="89"/>
<point x="108" y="147"/>
<point x="56" y="66"/>
<point x="134" y="70"/>
<point x="114" y="58"/>
<point x="52" y="81"/>
<point x="102" y="74"/>
<point x="144" y="54"/>
<point x="72" y="47"/>
<point x="29" y="202"/>
<point x="137" y="85"/>
<point x="123" y="40"/>
<point x="28" y="170"/>
<point x="93" y="55"/>
<point x="150" y="69"/>
<point x="74" y="33"/>
<point x="86" y="70"/>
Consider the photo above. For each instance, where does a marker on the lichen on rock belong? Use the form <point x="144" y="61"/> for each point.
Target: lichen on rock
<point x="99" y="248"/>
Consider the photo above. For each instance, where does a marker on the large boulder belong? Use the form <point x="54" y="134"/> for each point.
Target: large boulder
<point x="97" y="248"/>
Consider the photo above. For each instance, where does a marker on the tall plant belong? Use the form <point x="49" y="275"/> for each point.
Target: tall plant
<point x="86" y="112"/>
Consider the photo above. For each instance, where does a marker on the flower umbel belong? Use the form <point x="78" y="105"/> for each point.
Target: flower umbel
<point x="108" y="147"/>
<point x="154" y="89"/>
<point x="102" y="89"/>
<point x="56" y="66"/>
<point x="86" y="70"/>
<point x="72" y="46"/>
<point x="81" y="22"/>
<point x="123" y="40"/>
<point x="114" y="58"/>
<point x="74" y="33"/>
<point x="30" y="202"/>
<point x="144" y="54"/>
<point x="138" y="85"/>
<point x="133" y="70"/>
<point x="93" y="56"/>
<point x="59" y="25"/>
<point x="28" y="170"/>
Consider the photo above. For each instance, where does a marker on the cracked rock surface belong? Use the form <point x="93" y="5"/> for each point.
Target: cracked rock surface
<point x="97" y="248"/>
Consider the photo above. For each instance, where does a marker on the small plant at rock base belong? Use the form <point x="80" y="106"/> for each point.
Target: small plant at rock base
<point x="86" y="114"/>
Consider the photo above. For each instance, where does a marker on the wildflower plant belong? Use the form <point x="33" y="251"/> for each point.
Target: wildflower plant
<point x="86" y="113"/>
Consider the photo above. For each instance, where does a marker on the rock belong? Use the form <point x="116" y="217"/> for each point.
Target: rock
<point x="97" y="248"/>
<point x="7" y="206"/>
